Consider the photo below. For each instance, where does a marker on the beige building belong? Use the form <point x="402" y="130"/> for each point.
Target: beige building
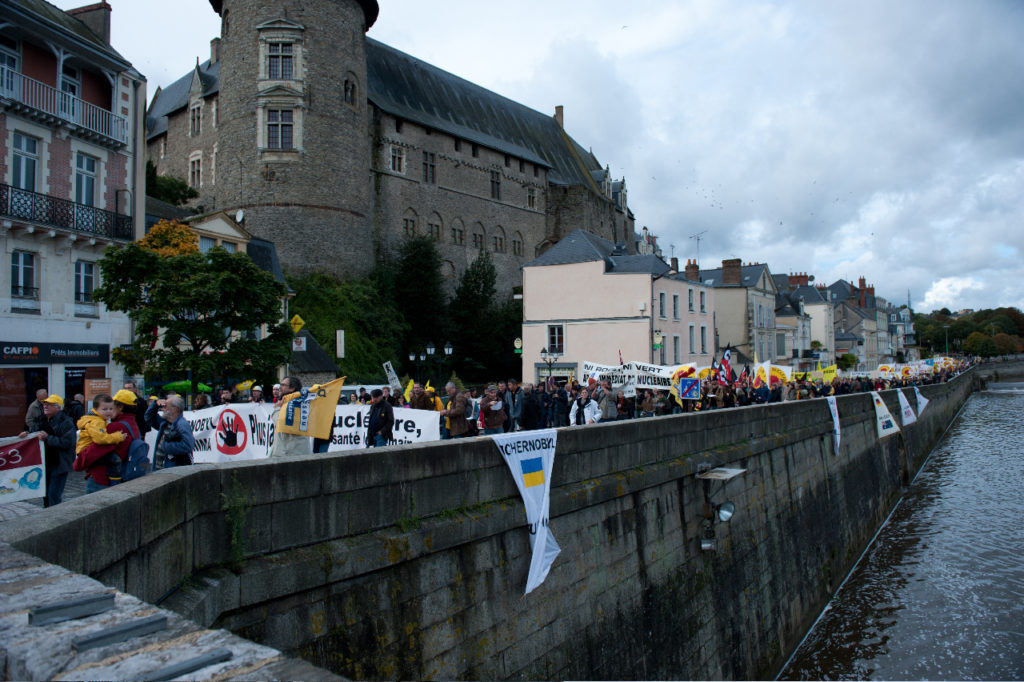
<point x="585" y="299"/>
<point x="745" y="300"/>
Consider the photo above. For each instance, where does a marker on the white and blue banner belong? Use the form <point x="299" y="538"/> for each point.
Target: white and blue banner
<point x="530" y="456"/>
<point x="922" y="402"/>
<point x="906" y="411"/>
<point x="834" y="409"/>
<point x="886" y="424"/>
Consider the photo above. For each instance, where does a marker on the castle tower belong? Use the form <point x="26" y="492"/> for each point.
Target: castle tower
<point x="293" y="147"/>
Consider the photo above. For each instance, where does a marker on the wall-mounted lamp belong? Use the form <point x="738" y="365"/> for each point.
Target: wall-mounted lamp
<point x="715" y="512"/>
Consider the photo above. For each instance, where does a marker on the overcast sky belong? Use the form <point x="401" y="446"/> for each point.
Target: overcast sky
<point x="874" y="138"/>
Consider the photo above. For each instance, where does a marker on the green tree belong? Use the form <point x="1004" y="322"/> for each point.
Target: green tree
<point x="373" y="326"/>
<point x="195" y="312"/>
<point x="980" y="344"/>
<point x="419" y="294"/>
<point x="846" y="361"/>
<point x="1005" y="343"/>
<point x="167" y="187"/>
<point x="472" y="313"/>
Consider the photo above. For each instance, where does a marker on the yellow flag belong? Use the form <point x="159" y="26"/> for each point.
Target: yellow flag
<point x="819" y="365"/>
<point x="310" y="413"/>
<point x="408" y="390"/>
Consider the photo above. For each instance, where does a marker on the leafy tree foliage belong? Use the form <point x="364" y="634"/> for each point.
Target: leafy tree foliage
<point x="373" y="325"/>
<point x="193" y="312"/>
<point x="1007" y="344"/>
<point x="167" y="187"/>
<point x="980" y="344"/>
<point x="846" y="361"/>
<point x="170" y="238"/>
<point x="419" y="295"/>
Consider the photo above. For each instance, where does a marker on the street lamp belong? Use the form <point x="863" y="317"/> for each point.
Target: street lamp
<point x="549" y="358"/>
<point x="946" y="327"/>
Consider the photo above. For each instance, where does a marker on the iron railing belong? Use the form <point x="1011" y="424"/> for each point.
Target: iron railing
<point x="24" y="292"/>
<point x="46" y="210"/>
<point x="40" y="98"/>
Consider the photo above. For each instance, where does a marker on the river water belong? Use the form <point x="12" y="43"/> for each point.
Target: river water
<point x="939" y="595"/>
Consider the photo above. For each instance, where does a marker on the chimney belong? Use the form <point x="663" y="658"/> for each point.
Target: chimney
<point x="675" y="264"/>
<point x="798" y="279"/>
<point x="731" y="271"/>
<point x="871" y="290"/>
<point x="96" y="17"/>
<point x="560" y="116"/>
<point x="214" y="51"/>
<point x="692" y="271"/>
<point x="861" y="284"/>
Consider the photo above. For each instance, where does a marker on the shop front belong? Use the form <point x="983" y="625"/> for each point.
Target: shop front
<point x="61" y="368"/>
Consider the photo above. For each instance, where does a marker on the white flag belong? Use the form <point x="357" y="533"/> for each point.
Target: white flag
<point x="530" y="456"/>
<point x="906" y="410"/>
<point x="886" y="424"/>
<point x="922" y="402"/>
<point x="834" y="409"/>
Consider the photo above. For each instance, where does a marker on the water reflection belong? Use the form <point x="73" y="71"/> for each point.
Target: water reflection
<point x="940" y="594"/>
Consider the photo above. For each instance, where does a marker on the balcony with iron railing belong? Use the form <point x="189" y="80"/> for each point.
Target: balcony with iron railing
<point x="49" y="105"/>
<point x="45" y="210"/>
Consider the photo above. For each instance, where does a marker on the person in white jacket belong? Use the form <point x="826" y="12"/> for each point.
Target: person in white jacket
<point x="584" y="410"/>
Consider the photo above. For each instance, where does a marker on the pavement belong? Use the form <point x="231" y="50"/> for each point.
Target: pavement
<point x="12" y="510"/>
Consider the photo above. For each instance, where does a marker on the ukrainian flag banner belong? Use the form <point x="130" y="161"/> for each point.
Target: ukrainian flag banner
<point x="530" y="456"/>
<point x="311" y="411"/>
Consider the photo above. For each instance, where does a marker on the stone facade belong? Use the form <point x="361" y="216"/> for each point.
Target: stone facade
<point x="358" y="171"/>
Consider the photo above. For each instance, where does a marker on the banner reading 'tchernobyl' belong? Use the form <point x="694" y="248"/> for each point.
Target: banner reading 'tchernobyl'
<point x="530" y="456"/>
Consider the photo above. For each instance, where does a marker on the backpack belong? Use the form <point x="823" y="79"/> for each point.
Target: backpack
<point x="137" y="464"/>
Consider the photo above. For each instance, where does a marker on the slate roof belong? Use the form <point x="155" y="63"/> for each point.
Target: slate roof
<point x="175" y="97"/>
<point x="264" y="254"/>
<point x="67" y="24"/>
<point x="313" y="359"/>
<point x="157" y="210"/>
<point x="411" y="89"/>
<point x="749" y="275"/>
<point x="580" y="246"/>
<point x="811" y="295"/>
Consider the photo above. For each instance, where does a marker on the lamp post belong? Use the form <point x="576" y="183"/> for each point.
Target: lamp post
<point x="946" y="327"/>
<point x="549" y="359"/>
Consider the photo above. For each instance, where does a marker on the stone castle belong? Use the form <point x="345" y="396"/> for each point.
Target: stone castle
<point x="331" y="144"/>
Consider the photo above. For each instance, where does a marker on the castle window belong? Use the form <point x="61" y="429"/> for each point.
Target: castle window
<point x="409" y="224"/>
<point x="478" y="236"/>
<point x="495" y="185"/>
<point x="498" y="240"/>
<point x="517" y="244"/>
<point x="398" y="125"/>
<point x="522" y="166"/>
<point x="508" y="161"/>
<point x="434" y="230"/>
<point x="458" y="236"/>
<point x="397" y="159"/>
<point x="350" y="92"/>
<point x="458" y="145"/>
<point x="280" y="127"/>
<point x="279" y="61"/>
<point x="195" y="173"/>
<point x="536" y="170"/>
<point x="196" y="119"/>
<point x="476" y="151"/>
<point x="429" y="168"/>
<point x="531" y="197"/>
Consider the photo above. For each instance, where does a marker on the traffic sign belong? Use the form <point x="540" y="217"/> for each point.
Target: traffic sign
<point x="297" y="323"/>
<point x="518" y="343"/>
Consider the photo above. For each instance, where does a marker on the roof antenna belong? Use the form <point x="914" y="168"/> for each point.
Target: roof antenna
<point x="698" y="237"/>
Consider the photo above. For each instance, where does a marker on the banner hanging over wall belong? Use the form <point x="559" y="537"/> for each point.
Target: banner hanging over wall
<point x="886" y="424"/>
<point x="922" y="402"/>
<point x="906" y="410"/>
<point x="530" y="456"/>
<point x="22" y="469"/>
<point x="834" y="409"/>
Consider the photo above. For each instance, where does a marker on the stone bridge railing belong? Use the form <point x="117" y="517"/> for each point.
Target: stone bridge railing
<point x="411" y="561"/>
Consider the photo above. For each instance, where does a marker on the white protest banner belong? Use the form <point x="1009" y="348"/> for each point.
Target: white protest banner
<point x="530" y="456"/>
<point x="411" y="426"/>
<point x="922" y="402"/>
<point x="619" y="376"/>
<point x="834" y="409"/>
<point x="656" y="377"/>
<point x="393" y="382"/>
<point x="22" y="469"/>
<point x="227" y="433"/>
<point x="905" y="409"/>
<point x="886" y="424"/>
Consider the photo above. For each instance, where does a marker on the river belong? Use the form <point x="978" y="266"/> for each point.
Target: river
<point x="939" y="594"/>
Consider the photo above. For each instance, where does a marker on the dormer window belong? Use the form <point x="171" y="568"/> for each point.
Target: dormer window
<point x="279" y="61"/>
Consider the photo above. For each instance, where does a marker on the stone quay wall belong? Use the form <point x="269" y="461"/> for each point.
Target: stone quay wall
<point x="411" y="561"/>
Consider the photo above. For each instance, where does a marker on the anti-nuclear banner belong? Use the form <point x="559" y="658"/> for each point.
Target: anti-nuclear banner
<point x="530" y="456"/>
<point x="617" y="375"/>
<point x="886" y="424"/>
<point x="632" y="376"/>
<point x="906" y="410"/>
<point x="237" y="431"/>
<point x="22" y="469"/>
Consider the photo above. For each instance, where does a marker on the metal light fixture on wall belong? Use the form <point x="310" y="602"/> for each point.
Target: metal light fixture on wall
<point x="713" y="513"/>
